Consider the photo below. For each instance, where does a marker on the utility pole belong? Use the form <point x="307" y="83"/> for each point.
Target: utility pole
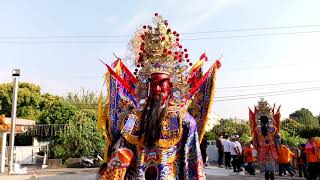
<point x="15" y="76"/>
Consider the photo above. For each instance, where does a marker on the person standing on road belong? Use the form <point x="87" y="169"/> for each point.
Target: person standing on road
<point x="219" y="145"/>
<point x="227" y="155"/>
<point x="248" y="158"/>
<point x="236" y="152"/>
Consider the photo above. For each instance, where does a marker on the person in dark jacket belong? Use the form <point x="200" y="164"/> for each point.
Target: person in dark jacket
<point x="203" y="149"/>
<point x="302" y="161"/>
<point x="219" y="145"/>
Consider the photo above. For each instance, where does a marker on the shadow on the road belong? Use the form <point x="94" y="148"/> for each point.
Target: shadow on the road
<point x="65" y="176"/>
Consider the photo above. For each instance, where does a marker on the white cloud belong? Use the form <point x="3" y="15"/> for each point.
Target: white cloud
<point x="185" y="15"/>
<point x="194" y="13"/>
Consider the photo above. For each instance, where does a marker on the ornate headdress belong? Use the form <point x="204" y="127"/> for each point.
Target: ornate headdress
<point x="158" y="50"/>
<point x="264" y="109"/>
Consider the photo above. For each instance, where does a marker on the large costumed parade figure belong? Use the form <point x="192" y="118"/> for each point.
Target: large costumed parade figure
<point x="265" y="126"/>
<point x="153" y="119"/>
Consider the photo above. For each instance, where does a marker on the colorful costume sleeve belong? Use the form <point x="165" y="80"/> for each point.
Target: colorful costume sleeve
<point x="118" y="163"/>
<point x="193" y="168"/>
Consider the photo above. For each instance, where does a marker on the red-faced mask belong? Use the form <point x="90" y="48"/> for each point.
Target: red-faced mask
<point x="160" y="86"/>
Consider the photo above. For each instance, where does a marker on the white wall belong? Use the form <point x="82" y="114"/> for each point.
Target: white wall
<point x="212" y="151"/>
<point x="25" y="154"/>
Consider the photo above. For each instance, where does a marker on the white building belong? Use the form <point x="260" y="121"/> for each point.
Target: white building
<point x="22" y="154"/>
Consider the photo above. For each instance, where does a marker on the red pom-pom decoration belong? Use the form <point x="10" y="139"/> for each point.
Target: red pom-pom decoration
<point x="190" y="64"/>
<point x="175" y="57"/>
<point x="166" y="22"/>
<point x="169" y="52"/>
<point x="135" y="73"/>
<point x="186" y="55"/>
<point x="165" y="50"/>
<point x="174" y="32"/>
<point x="163" y="38"/>
<point x="156" y="14"/>
<point x="177" y="34"/>
<point x="144" y="27"/>
<point x="185" y="50"/>
<point x="188" y="60"/>
<point x="142" y="37"/>
<point x="218" y="64"/>
<point x="177" y="39"/>
<point x="176" y="53"/>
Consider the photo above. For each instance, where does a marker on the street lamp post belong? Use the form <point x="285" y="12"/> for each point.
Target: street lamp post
<point x="15" y="75"/>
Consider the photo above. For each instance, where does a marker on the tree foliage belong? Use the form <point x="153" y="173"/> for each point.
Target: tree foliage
<point x="291" y="126"/>
<point x="77" y="110"/>
<point x="81" y="139"/>
<point x="304" y="116"/>
<point x="29" y="98"/>
<point x="85" y="100"/>
<point x="291" y="139"/>
<point x="230" y="127"/>
<point x="54" y="110"/>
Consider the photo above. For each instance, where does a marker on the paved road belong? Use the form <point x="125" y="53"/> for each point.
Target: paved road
<point x="90" y="174"/>
<point x="93" y="177"/>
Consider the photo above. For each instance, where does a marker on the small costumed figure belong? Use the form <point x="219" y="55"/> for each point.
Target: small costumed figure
<point x="265" y="126"/>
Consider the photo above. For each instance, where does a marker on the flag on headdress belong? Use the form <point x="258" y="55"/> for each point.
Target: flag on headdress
<point x="198" y="65"/>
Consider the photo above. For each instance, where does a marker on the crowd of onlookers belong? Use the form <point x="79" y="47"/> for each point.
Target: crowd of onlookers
<point x="302" y="161"/>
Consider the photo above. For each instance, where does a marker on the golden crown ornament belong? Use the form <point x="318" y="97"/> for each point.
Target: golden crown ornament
<point x="158" y="49"/>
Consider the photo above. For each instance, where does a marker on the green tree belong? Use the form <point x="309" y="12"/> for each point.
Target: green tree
<point x="85" y="100"/>
<point x="81" y="139"/>
<point x="291" y="126"/>
<point x="29" y="98"/>
<point x="291" y="140"/>
<point x="291" y="132"/>
<point x="54" y="110"/>
<point x="304" y="116"/>
<point x="230" y="127"/>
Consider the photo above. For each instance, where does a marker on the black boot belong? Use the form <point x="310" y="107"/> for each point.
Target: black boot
<point x="271" y="176"/>
<point x="266" y="175"/>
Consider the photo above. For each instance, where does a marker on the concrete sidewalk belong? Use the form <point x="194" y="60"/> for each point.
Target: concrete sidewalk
<point x="214" y="172"/>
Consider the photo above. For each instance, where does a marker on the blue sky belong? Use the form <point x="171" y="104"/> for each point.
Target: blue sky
<point x="60" y="68"/>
